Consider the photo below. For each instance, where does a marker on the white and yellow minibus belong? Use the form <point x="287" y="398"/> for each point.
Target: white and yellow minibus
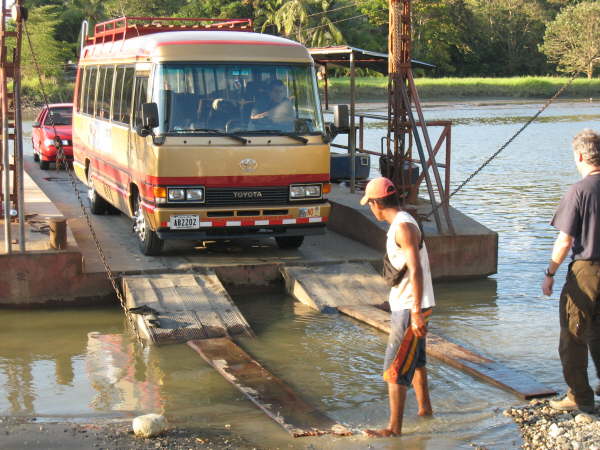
<point x="201" y="130"/>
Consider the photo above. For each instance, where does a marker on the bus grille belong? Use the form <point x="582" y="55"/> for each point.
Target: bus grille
<point x="247" y="196"/>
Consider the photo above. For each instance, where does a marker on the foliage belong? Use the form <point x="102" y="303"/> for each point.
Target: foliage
<point x="306" y="21"/>
<point x="573" y="38"/>
<point x="469" y="87"/>
<point x="49" y="53"/>
<point x="55" y="89"/>
<point x="461" y="37"/>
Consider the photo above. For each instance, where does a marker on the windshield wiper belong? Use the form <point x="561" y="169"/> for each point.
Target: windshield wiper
<point x="241" y="139"/>
<point x="282" y="133"/>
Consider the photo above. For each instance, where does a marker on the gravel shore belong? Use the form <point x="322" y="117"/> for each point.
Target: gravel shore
<point x="30" y="433"/>
<point x="543" y="427"/>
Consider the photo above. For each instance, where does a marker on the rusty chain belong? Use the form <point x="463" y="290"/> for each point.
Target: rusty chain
<point x="62" y="159"/>
<point x="507" y="143"/>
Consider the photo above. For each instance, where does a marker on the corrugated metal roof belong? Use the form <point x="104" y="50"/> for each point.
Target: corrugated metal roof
<point x="340" y="55"/>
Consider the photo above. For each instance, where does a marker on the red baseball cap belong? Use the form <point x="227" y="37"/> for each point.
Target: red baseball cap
<point x="378" y="188"/>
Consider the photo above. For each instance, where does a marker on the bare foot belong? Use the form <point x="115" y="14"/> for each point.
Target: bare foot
<point x="425" y="413"/>
<point x="384" y="432"/>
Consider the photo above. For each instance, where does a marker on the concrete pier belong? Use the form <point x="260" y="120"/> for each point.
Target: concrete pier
<point x="470" y="253"/>
<point x="43" y="275"/>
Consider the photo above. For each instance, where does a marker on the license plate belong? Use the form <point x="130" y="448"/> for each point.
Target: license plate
<point x="309" y="212"/>
<point x="185" y="222"/>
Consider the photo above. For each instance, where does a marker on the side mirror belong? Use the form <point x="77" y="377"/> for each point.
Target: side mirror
<point x="331" y="132"/>
<point x="35" y="124"/>
<point x="149" y="115"/>
<point x="143" y="132"/>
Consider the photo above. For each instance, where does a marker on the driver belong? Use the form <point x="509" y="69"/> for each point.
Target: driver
<point x="275" y="110"/>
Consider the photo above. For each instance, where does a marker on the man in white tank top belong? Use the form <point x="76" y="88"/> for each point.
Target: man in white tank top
<point x="410" y="301"/>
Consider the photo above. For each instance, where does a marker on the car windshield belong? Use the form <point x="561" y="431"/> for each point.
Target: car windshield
<point x="59" y="116"/>
<point x="237" y="98"/>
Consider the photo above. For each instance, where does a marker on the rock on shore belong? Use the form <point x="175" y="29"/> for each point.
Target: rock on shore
<point x="543" y="427"/>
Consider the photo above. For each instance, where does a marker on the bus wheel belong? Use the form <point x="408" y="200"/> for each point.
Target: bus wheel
<point x="289" y="241"/>
<point x="97" y="204"/>
<point x="150" y="244"/>
<point x="44" y="165"/>
<point x="36" y="157"/>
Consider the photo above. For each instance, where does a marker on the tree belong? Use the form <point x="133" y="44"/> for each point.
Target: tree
<point x="92" y="10"/>
<point x="142" y="8"/>
<point x="49" y="53"/>
<point x="507" y="35"/>
<point x="573" y="39"/>
<point x="311" y="22"/>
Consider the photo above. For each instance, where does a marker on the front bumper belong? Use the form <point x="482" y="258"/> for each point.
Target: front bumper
<point x="241" y="232"/>
<point x="50" y="153"/>
<point x="216" y="223"/>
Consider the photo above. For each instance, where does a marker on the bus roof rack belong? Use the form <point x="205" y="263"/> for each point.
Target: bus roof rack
<point x="128" y="27"/>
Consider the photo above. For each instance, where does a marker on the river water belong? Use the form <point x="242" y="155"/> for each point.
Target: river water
<point x="82" y="365"/>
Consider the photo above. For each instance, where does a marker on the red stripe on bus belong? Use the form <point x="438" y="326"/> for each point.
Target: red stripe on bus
<point x="235" y="181"/>
<point x="205" y="42"/>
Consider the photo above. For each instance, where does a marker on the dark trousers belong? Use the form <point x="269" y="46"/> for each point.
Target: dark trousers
<point x="580" y="328"/>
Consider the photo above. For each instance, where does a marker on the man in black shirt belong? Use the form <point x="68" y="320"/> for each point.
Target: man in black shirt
<point x="578" y="221"/>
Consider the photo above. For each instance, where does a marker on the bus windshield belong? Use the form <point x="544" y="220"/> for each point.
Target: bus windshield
<point x="237" y="98"/>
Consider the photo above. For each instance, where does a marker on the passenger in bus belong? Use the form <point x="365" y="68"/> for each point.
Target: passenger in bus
<point x="183" y="110"/>
<point x="223" y="112"/>
<point x="274" y="111"/>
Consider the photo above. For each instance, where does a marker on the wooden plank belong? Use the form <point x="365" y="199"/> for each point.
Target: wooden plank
<point x="188" y="306"/>
<point x="265" y="390"/>
<point x="325" y="287"/>
<point x="520" y="384"/>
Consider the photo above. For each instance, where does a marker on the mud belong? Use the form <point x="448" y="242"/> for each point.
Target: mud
<point x="31" y="433"/>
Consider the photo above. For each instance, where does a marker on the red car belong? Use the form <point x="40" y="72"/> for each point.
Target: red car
<point x="53" y="121"/>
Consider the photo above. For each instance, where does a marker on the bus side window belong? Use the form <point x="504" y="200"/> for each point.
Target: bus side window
<point x="118" y="94"/>
<point x="127" y="95"/>
<point x="141" y="92"/>
<point x="107" y="93"/>
<point x="90" y="90"/>
<point x="80" y="80"/>
<point x="99" y="91"/>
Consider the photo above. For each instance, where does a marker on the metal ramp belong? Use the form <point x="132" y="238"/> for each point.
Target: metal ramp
<point x="357" y="290"/>
<point x="196" y="308"/>
<point x="327" y="287"/>
<point x="182" y="307"/>
<point x="265" y="390"/>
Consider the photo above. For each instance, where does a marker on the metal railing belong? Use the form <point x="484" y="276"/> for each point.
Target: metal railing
<point x="444" y="141"/>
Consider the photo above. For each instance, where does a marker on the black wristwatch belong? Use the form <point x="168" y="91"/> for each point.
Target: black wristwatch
<point x="549" y="274"/>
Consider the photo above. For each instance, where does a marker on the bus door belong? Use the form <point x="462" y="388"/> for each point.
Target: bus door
<point x="139" y="160"/>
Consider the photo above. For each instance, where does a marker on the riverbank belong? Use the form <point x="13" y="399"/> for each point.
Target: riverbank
<point x="543" y="427"/>
<point x="375" y="88"/>
<point x="31" y="433"/>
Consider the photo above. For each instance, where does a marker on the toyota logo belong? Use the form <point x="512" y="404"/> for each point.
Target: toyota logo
<point x="248" y="165"/>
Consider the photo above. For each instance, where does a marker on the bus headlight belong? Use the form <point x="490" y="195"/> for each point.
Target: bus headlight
<point x="160" y="194"/>
<point x="195" y="194"/>
<point x="304" y="191"/>
<point x="176" y="194"/>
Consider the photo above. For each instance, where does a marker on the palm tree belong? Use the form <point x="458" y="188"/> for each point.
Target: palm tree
<point x="306" y="21"/>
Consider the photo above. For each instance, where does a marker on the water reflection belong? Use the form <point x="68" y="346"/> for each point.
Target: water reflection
<point x="125" y="377"/>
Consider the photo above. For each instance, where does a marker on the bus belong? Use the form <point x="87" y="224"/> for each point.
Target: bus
<point x="200" y="129"/>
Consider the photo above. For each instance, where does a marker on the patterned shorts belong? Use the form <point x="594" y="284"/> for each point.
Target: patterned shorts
<point x="405" y="352"/>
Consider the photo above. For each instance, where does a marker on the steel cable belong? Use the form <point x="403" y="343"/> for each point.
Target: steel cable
<point x="62" y="158"/>
<point x="507" y="143"/>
